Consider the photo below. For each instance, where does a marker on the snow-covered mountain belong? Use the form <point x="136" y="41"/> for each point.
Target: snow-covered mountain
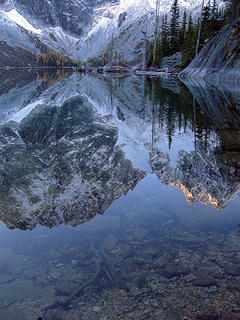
<point x="73" y="16"/>
<point x="20" y="41"/>
<point x="79" y="29"/>
<point x="120" y="28"/>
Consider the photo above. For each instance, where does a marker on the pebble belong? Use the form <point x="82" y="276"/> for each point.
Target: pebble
<point x="97" y="309"/>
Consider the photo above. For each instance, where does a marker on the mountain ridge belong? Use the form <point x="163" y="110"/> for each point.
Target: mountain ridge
<point x="57" y="26"/>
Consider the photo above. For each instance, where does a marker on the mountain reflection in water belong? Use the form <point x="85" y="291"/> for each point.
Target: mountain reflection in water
<point x="70" y="147"/>
<point x="73" y="154"/>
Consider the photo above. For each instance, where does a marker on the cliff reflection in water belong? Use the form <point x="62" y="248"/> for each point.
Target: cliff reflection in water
<point x="210" y="173"/>
<point x="73" y="146"/>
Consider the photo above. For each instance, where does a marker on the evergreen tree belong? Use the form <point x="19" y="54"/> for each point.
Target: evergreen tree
<point x="233" y="9"/>
<point x="190" y="42"/>
<point x="206" y="23"/>
<point x="183" y="30"/>
<point x="156" y="39"/>
<point x="174" y="26"/>
<point x="165" y="47"/>
<point x="214" y="16"/>
<point x="206" y="15"/>
<point x="214" y="10"/>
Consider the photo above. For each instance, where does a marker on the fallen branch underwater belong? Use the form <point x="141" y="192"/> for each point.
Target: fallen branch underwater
<point x="102" y="261"/>
<point x="98" y="261"/>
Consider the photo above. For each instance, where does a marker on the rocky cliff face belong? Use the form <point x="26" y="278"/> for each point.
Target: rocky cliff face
<point x="71" y="16"/>
<point x="219" y="60"/>
<point x="118" y="30"/>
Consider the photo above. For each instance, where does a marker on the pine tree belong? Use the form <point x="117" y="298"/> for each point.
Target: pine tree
<point x="234" y="6"/>
<point x="206" y="23"/>
<point x="190" y="42"/>
<point x="174" y="26"/>
<point x="183" y="30"/>
<point x="232" y="10"/>
<point x="214" y="10"/>
<point x="165" y="48"/>
<point x="214" y="16"/>
<point x="156" y="32"/>
<point x="206" y="15"/>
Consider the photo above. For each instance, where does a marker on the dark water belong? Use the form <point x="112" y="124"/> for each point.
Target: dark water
<point x="119" y="198"/>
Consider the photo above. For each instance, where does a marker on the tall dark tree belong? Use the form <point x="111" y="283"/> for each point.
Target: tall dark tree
<point x="206" y="15"/>
<point x="175" y="26"/>
<point x="214" y="9"/>
<point x="156" y="40"/>
<point x="183" y="30"/>
<point x="232" y="9"/>
<point x="164" y="39"/>
<point x="190" y="42"/>
<point x="235" y="8"/>
<point x="214" y="16"/>
<point x="206" y="23"/>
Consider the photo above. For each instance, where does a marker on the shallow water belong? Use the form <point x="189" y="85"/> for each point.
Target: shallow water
<point x="119" y="198"/>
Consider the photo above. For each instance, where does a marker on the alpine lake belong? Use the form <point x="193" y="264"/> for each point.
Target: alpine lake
<point x="119" y="197"/>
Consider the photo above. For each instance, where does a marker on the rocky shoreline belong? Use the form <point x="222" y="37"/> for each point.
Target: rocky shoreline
<point x="155" y="72"/>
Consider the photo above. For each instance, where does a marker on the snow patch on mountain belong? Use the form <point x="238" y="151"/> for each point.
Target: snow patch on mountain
<point x="17" y="32"/>
<point x="20" y="115"/>
<point x="21" y="21"/>
<point x="113" y="27"/>
<point x="14" y="100"/>
<point x="12" y="34"/>
<point x="122" y="35"/>
<point x="60" y="41"/>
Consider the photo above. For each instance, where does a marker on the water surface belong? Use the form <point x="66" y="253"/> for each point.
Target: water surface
<point x="119" y="198"/>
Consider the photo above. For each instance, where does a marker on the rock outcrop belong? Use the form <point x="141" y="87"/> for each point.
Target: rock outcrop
<point x="219" y="60"/>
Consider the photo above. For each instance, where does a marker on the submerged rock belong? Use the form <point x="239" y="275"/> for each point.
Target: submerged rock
<point x="204" y="281"/>
<point x="175" y="270"/>
<point x="232" y="270"/>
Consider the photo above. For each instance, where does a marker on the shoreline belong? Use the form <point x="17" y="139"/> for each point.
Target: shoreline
<point x="155" y="72"/>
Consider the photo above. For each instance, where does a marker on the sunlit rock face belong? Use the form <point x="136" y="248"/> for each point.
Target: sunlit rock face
<point x="200" y="175"/>
<point x="61" y="165"/>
